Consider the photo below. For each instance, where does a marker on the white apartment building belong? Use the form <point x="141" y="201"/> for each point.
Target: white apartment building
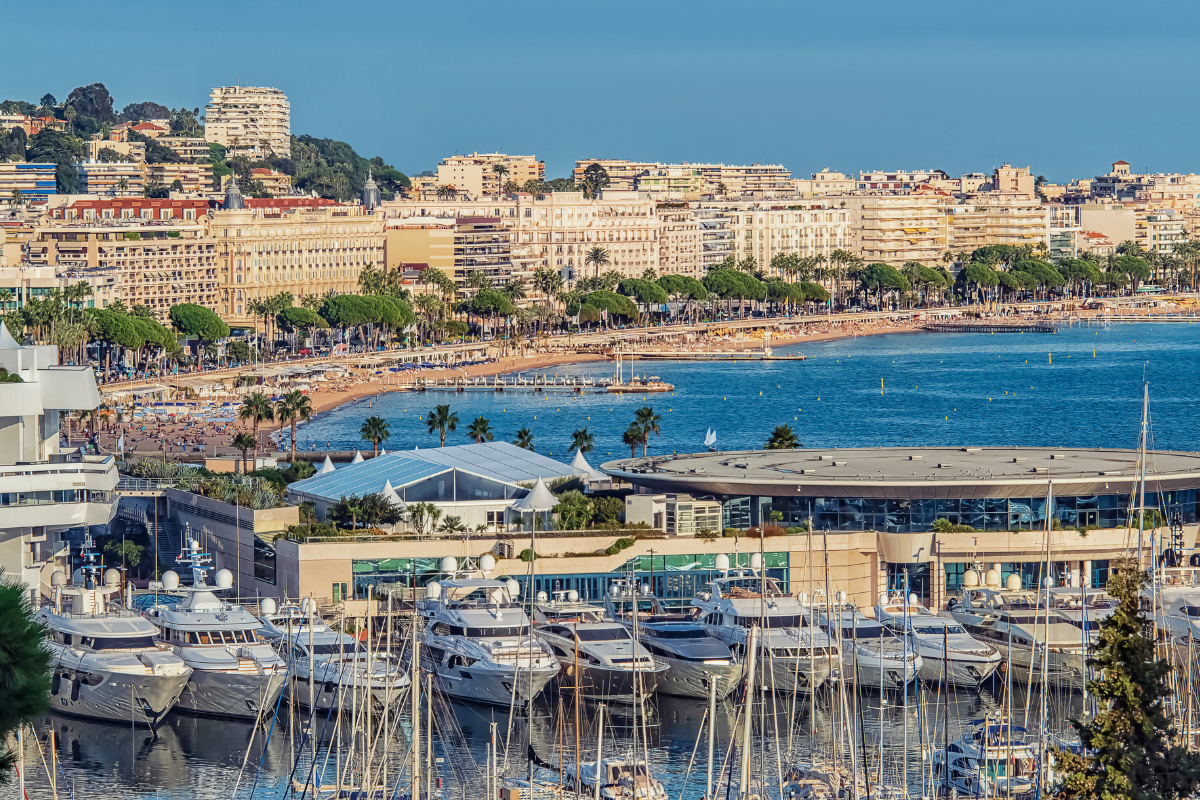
<point x="680" y="247"/>
<point x="895" y="228"/>
<point x="557" y="230"/>
<point x="898" y="180"/>
<point x="672" y="183"/>
<point x="997" y="218"/>
<point x="116" y="179"/>
<point x="1159" y="230"/>
<point x="255" y="120"/>
<point x="476" y="176"/>
<point x="46" y="492"/>
<point x="731" y="180"/>
<point x="827" y="182"/>
<point x="805" y="229"/>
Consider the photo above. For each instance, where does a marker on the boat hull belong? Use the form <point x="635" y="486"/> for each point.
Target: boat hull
<point x="889" y="675"/>
<point x="692" y="678"/>
<point x="492" y="686"/>
<point x="118" y="697"/>
<point x="798" y="672"/>
<point x="613" y="685"/>
<point x="958" y="672"/>
<point x="383" y="693"/>
<point x="232" y="695"/>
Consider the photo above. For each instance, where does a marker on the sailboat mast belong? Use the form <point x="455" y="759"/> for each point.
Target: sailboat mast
<point x="415" y="790"/>
<point x="1142" y="460"/>
<point x="599" y="749"/>
<point x="712" y="735"/>
<point x="744" y="785"/>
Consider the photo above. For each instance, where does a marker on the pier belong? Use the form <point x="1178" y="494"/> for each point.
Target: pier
<point x="729" y="355"/>
<point x="964" y="326"/>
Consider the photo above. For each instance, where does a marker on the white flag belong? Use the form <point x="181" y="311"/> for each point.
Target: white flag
<point x="121" y="444"/>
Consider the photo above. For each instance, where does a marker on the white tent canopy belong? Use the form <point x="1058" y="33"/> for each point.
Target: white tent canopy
<point x="581" y="464"/>
<point x="326" y="468"/>
<point x="389" y="493"/>
<point x="358" y="459"/>
<point x="538" y="499"/>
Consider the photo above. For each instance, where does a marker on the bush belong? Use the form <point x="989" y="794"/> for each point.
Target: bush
<point x="528" y="555"/>
<point x="706" y="535"/>
<point x="619" y="545"/>
<point x="797" y="529"/>
<point x="943" y="525"/>
<point x="728" y="532"/>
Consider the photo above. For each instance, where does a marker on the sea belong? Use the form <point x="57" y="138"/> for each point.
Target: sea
<point x="1080" y="387"/>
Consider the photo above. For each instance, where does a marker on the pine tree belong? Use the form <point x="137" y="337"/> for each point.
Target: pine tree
<point x="24" y="667"/>
<point x="1127" y="746"/>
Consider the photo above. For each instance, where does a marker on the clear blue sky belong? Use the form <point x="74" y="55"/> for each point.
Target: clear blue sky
<point x="1065" y="87"/>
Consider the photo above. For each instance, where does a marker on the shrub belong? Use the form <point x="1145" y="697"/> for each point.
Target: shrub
<point x="619" y="545"/>
<point x="528" y="555"/>
<point x="943" y="525"/>
<point x="728" y="532"/>
<point x="706" y="535"/>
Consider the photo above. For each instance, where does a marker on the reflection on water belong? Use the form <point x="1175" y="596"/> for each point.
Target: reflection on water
<point x="192" y="757"/>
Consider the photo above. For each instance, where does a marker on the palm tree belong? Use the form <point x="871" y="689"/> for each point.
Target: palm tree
<point x="375" y="430"/>
<point x="441" y="420"/>
<point x="446" y="192"/>
<point x="480" y="431"/>
<point x="524" y="439"/>
<point x="500" y="170"/>
<point x="783" y="438"/>
<point x="597" y="257"/>
<point x="452" y="525"/>
<point x="633" y="436"/>
<point x="256" y="407"/>
<point x="292" y="408"/>
<point x="648" y="421"/>
<point x="15" y="197"/>
<point x="582" y="441"/>
<point x="245" y="442"/>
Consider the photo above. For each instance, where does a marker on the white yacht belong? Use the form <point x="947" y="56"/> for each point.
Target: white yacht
<point x="234" y="673"/>
<point x="340" y="664"/>
<point x="947" y="651"/>
<point x="872" y="655"/>
<point x="1013" y="622"/>
<point x="801" y="655"/>
<point x="598" y="656"/>
<point x="1084" y="608"/>
<point x="106" y="662"/>
<point x="693" y="657"/>
<point x="478" y="640"/>
<point x="994" y="760"/>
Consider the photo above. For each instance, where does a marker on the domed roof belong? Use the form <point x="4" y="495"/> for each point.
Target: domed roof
<point x="370" y="193"/>
<point x="233" y="196"/>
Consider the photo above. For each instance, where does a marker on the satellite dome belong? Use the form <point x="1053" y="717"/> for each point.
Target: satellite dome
<point x="992" y="578"/>
<point x="58" y="578"/>
<point x="883" y="598"/>
<point x="573" y="596"/>
<point x="971" y="578"/>
<point x="224" y="579"/>
<point x="112" y="577"/>
<point x="541" y="597"/>
<point x="1013" y="584"/>
<point x="722" y="562"/>
<point x="267" y="606"/>
<point x="755" y="561"/>
<point x="912" y="598"/>
<point x="487" y="562"/>
<point x="514" y="588"/>
<point x="449" y="564"/>
<point x="170" y="580"/>
<point x="433" y="590"/>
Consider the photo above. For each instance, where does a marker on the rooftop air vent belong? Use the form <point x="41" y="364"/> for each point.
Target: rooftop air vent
<point x="1040" y="470"/>
<point x="970" y="449"/>
<point x="1058" y="456"/>
<point x="1020" y="460"/>
<point x="742" y="466"/>
<point x="915" y="458"/>
<point x="1113" y="472"/>
<point x="945" y="465"/>
<point x="808" y="472"/>
<point x="839" y="463"/>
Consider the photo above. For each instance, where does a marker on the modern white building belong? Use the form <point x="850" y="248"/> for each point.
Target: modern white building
<point x="255" y="120"/>
<point x="46" y="491"/>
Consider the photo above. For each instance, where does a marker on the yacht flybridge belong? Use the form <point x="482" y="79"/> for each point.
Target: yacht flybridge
<point x="801" y="655"/>
<point x="599" y="656"/>
<point x="234" y="674"/>
<point x="333" y="666"/>
<point x="106" y="663"/>
<point x="873" y="656"/>
<point x="477" y="638"/>
<point x="947" y="651"/>
<point x="694" y="658"/>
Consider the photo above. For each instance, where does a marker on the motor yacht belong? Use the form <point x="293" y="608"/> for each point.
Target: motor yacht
<point x="1016" y="624"/>
<point x="693" y="657"/>
<point x="478" y="640"/>
<point x="801" y="655"/>
<point x="234" y="673"/>
<point x="947" y="651"/>
<point x="598" y="656"/>
<point x="873" y="656"/>
<point x="338" y="663"/>
<point x="994" y="760"/>
<point x="106" y="662"/>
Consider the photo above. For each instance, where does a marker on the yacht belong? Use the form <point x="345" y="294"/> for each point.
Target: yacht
<point x="947" y="651"/>
<point x="599" y="656"/>
<point x="234" y="673"/>
<point x="620" y="779"/>
<point x="873" y="656"/>
<point x="1084" y="608"/>
<point x="994" y="760"/>
<point x="477" y="639"/>
<point x="105" y="660"/>
<point x="801" y="655"/>
<point x="340" y="666"/>
<point x="1013" y="622"/>
<point x="693" y="657"/>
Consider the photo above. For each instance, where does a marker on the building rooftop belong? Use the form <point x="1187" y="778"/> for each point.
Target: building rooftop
<point x="907" y="472"/>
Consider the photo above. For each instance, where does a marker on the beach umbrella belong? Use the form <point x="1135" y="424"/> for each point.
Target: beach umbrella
<point x="327" y="467"/>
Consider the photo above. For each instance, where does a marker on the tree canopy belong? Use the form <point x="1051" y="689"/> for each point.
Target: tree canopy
<point x="203" y="323"/>
<point x="643" y="291"/>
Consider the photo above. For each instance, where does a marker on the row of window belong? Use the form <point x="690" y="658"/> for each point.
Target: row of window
<point x="47" y="498"/>
<point x="177" y="636"/>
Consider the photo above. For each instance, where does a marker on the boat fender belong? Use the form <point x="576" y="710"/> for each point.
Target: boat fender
<point x="329" y="686"/>
<point x="54" y="683"/>
<point x="75" y="684"/>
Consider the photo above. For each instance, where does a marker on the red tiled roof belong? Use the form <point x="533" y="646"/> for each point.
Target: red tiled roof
<point x="148" y="126"/>
<point x="1122" y="163"/>
<point x="289" y="202"/>
<point x="262" y="171"/>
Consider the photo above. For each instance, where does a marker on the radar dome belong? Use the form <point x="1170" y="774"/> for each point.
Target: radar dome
<point x="645" y="587"/>
<point x="224" y="579"/>
<point x="514" y="588"/>
<point x="722" y="561"/>
<point x="841" y="597"/>
<point x="112" y="577"/>
<point x="971" y="578"/>
<point x="802" y="597"/>
<point x="1013" y="584"/>
<point x="267" y="606"/>
<point x="912" y="598"/>
<point x="487" y="562"/>
<point x="58" y="578"/>
<point x="756" y="561"/>
<point x="433" y="590"/>
<point x="1050" y="581"/>
<point x="883" y="598"/>
<point x="614" y="590"/>
<point x="195" y="545"/>
<point x="573" y="596"/>
<point x="77" y="578"/>
<point x="170" y="580"/>
<point x="449" y="564"/>
<point x="991" y="578"/>
<point x="541" y="597"/>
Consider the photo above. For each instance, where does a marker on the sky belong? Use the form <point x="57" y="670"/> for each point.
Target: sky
<point x="1064" y="87"/>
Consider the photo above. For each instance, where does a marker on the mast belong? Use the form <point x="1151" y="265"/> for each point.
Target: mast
<point x="744" y="784"/>
<point x="1046" y="633"/>
<point x="599" y="749"/>
<point x="712" y="735"/>
<point x="312" y="668"/>
<point x="1142" y="461"/>
<point x="415" y="790"/>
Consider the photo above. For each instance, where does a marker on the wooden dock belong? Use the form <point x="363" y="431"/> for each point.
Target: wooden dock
<point x="989" y="327"/>
<point x="734" y="355"/>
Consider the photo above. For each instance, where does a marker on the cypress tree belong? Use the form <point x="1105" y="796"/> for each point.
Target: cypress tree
<point x="1128" y="749"/>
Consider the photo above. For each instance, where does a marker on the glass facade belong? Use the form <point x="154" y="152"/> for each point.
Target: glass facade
<point x="985" y="514"/>
<point x="1030" y="573"/>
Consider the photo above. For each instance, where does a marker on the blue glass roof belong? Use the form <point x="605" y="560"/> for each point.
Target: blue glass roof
<point x="368" y="477"/>
<point x="500" y="460"/>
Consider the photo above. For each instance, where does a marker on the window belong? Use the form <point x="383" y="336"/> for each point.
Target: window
<point x="264" y="561"/>
<point x="339" y="592"/>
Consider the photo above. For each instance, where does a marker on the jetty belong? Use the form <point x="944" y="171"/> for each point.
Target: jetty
<point x="719" y="355"/>
<point x="981" y="326"/>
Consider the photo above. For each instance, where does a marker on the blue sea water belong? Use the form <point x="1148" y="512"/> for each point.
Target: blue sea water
<point x="1081" y="387"/>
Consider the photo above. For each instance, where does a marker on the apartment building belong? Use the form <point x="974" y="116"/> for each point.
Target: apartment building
<point x="997" y="218"/>
<point x="299" y="245"/>
<point x="716" y="237"/>
<point x="33" y="181"/>
<point x="190" y="148"/>
<point x="672" y="183"/>
<point x="476" y="175"/>
<point x="732" y="180"/>
<point x="25" y="281"/>
<point x="1160" y="230"/>
<point x="254" y="120"/>
<point x="679" y="240"/>
<point x="419" y="240"/>
<point x="827" y="182"/>
<point x="115" y="179"/>
<point x="1115" y="220"/>
<point x="805" y="229"/>
<point x="895" y="228"/>
<point x="133" y="151"/>
<point x="899" y="180"/>
<point x="557" y="229"/>
<point x="622" y="175"/>
<point x="1008" y="179"/>
<point x="482" y="244"/>
<point x="194" y="178"/>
